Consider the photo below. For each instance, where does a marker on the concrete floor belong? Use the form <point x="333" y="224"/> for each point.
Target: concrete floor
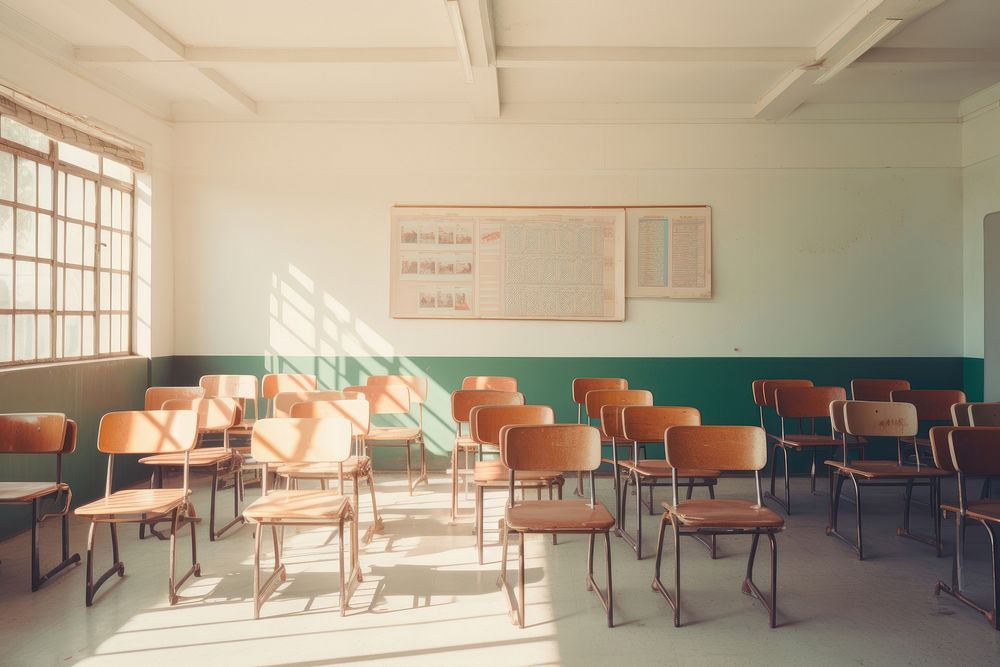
<point x="425" y="600"/>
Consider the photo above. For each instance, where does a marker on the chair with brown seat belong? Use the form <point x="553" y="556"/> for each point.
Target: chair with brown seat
<point x="728" y="449"/>
<point x="984" y="414"/>
<point x="418" y="396"/>
<point x="763" y="398"/>
<point x="646" y="424"/>
<point x="143" y="432"/>
<point x="594" y="403"/>
<point x="215" y="416"/>
<point x="283" y="401"/>
<point x="884" y="420"/>
<point x="273" y="384"/>
<point x="803" y="404"/>
<point x="933" y="408"/>
<point x="485" y="424"/>
<point x="356" y="468"/>
<point x="462" y="403"/>
<point x="295" y="441"/>
<point x="157" y="396"/>
<point x="40" y="433"/>
<point x="560" y="448"/>
<point x="976" y="451"/>
<point x="876" y="389"/>
<point x="494" y="382"/>
<point x="581" y="387"/>
<point x="393" y="401"/>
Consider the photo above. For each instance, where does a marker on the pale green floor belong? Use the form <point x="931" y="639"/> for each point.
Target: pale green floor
<point x="425" y="600"/>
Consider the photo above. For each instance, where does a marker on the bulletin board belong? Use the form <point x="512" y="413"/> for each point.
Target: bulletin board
<point x="508" y="263"/>
<point x="669" y="252"/>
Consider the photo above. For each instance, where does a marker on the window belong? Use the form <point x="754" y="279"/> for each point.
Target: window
<point x="66" y="221"/>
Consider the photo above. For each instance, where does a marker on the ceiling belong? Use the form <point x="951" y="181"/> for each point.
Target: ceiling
<point x="528" y="60"/>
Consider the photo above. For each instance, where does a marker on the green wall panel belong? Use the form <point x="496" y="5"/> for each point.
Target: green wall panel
<point x="973" y="369"/>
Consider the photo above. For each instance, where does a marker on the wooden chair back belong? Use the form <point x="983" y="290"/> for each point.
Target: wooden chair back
<point x="960" y="414"/>
<point x="301" y="440"/>
<point x="273" y="384"/>
<point x="494" y="382"/>
<point x="415" y="383"/>
<point x="583" y="386"/>
<point x="556" y="447"/>
<point x="598" y="398"/>
<point x="283" y="401"/>
<point x="35" y="433"/>
<point x="355" y="410"/>
<point x="389" y="399"/>
<point x="724" y="448"/>
<point x="214" y="414"/>
<point x="463" y="400"/>
<point x="69" y="440"/>
<point x="931" y="404"/>
<point x="763" y="390"/>
<point x="486" y="421"/>
<point x="880" y="419"/>
<point x="157" y="396"/>
<point x="647" y="423"/>
<point x="940" y="447"/>
<point x="147" y="432"/>
<point x="975" y="450"/>
<point x="611" y="422"/>
<point x="837" y="423"/>
<point x="876" y="389"/>
<point x="806" y="402"/>
<point x="241" y="387"/>
<point x="984" y="414"/>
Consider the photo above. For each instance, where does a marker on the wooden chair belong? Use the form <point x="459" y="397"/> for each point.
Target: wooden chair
<point x="390" y="400"/>
<point x="485" y="424"/>
<point x="728" y="449"/>
<point x="976" y="451"/>
<point x="143" y="432"/>
<point x="984" y="414"/>
<point x="803" y="404"/>
<point x="885" y="420"/>
<point x="940" y="450"/>
<point x="561" y="448"/>
<point x="462" y="403"/>
<point x="157" y="396"/>
<point x="642" y="424"/>
<point x="581" y="387"/>
<point x="273" y="384"/>
<point x="241" y="387"/>
<point x="283" y="441"/>
<point x="215" y="416"/>
<point x="283" y="401"/>
<point x="357" y="467"/>
<point x="933" y="405"/>
<point x="494" y="382"/>
<point x="40" y="433"/>
<point x="418" y="396"/>
<point x="870" y="389"/>
<point x="594" y="403"/>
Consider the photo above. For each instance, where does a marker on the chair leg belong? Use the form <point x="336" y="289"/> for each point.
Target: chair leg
<point x="750" y="588"/>
<point x="377" y="524"/>
<point x="409" y="473"/>
<point x="520" y="578"/>
<point x="480" y="497"/>
<point x="638" y="515"/>
<point x="343" y="583"/>
<point x="454" y="483"/>
<point x="677" y="573"/>
<point x="37" y="578"/>
<point x="995" y="552"/>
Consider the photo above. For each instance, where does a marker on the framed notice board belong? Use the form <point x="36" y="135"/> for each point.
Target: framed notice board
<point x="508" y="263"/>
<point x="669" y="252"/>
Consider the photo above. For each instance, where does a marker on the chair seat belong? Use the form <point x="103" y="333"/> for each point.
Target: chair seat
<point x="204" y="456"/>
<point x="22" y="492"/>
<point x="987" y="511"/>
<point x="887" y="470"/>
<point x="391" y="433"/>
<point x="724" y="513"/>
<point x="244" y="427"/>
<point x="466" y="442"/>
<point x="353" y="467"/>
<point x="921" y="442"/>
<point x="981" y="505"/>
<point x="134" y="501"/>
<point x="305" y="505"/>
<point x="556" y="515"/>
<point x="487" y="472"/>
<point x="660" y="468"/>
<point x="799" y="441"/>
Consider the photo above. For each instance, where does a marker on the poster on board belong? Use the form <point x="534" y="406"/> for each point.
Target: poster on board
<point x="669" y="252"/>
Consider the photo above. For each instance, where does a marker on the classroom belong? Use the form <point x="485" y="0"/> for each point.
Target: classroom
<point x="510" y="332"/>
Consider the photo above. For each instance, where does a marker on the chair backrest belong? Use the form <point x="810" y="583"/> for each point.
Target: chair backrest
<point x="241" y="387"/>
<point x="598" y="398"/>
<point x="273" y="384"/>
<point x="495" y="382"/>
<point x="157" y="396"/>
<point x="147" y="432"/>
<point x="556" y="447"/>
<point x="611" y="422"/>
<point x="583" y="386"/>
<point x="880" y="419"/>
<point x="806" y="402"/>
<point x="647" y="423"/>
<point x="724" y="448"/>
<point x="940" y="447"/>
<point x="837" y="423"/>
<point x="214" y="414"/>
<point x="984" y="414"/>
<point x="283" y="401"/>
<point x="876" y="389"/>
<point x="463" y="400"/>
<point x="301" y="440"/>
<point x="960" y="414"/>
<point x="34" y="433"/>
<point x="763" y="390"/>
<point x="931" y="404"/>
<point x="355" y="410"/>
<point x="391" y="399"/>
<point x="975" y="451"/>
<point x="486" y="421"/>
<point x="415" y="383"/>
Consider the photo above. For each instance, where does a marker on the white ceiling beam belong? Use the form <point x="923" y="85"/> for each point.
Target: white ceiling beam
<point x="907" y="56"/>
<point x="210" y="56"/>
<point x="511" y="57"/>
<point x="484" y="91"/>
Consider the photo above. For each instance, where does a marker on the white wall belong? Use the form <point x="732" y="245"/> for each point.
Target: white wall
<point x="829" y="239"/>
<point x="30" y="73"/>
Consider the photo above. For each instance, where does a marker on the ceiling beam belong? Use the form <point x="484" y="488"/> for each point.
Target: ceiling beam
<point x="907" y="56"/>
<point x="512" y="56"/>
<point x="210" y="56"/>
<point x="477" y="21"/>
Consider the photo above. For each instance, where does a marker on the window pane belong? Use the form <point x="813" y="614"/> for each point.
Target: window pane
<point x="88" y="336"/>
<point x="60" y="289"/>
<point x="44" y="236"/>
<point x="105" y="206"/>
<point x="6" y="228"/>
<point x="88" y="290"/>
<point x="5" y="337"/>
<point x="61" y="194"/>
<point x="126" y="253"/>
<point x="74" y="289"/>
<point x="126" y="341"/>
<point x="105" y="297"/>
<point x="74" y="196"/>
<point x="59" y="336"/>
<point x="24" y="135"/>
<point x="74" y="243"/>
<point x="117" y="170"/>
<point x="24" y="296"/>
<point x="25" y="233"/>
<point x="116" y="291"/>
<point x="60" y="241"/>
<point x="126" y="304"/>
<point x="78" y="156"/>
<point x="44" y="186"/>
<point x="6" y="283"/>
<point x="89" y="246"/>
<point x="116" y="209"/>
<point x="105" y="332"/>
<point x="105" y="249"/>
<point x="44" y="286"/>
<point x="126" y="211"/>
<point x="44" y="336"/>
<point x="24" y="337"/>
<point x="90" y="201"/>
<point x="116" y="333"/>
<point x="71" y="338"/>
<point x="6" y="176"/>
<point x="26" y="191"/>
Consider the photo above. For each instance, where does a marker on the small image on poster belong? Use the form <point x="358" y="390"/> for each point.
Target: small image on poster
<point x="463" y="300"/>
<point x="446" y="265"/>
<point x="409" y="264"/>
<point x="427" y="265"/>
<point x="446" y="233"/>
<point x="428" y="299"/>
<point x="428" y="233"/>
<point x="409" y="232"/>
<point x="445" y="299"/>
<point x="463" y="233"/>
<point x="463" y="265"/>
